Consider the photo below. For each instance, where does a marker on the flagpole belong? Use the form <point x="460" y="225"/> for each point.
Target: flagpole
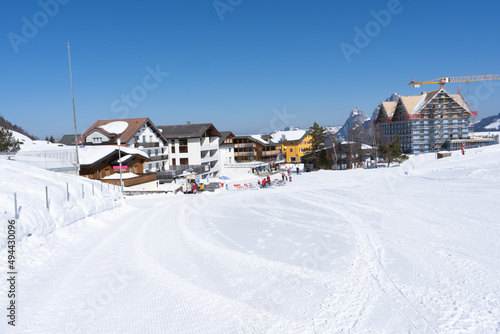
<point x="74" y="113"/>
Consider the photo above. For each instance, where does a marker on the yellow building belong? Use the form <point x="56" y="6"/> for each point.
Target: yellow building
<point x="293" y="144"/>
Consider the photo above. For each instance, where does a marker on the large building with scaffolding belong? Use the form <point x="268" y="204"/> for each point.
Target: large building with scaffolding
<point x="427" y="122"/>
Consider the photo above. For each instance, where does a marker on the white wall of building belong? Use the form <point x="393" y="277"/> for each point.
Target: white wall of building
<point x="96" y="137"/>
<point x="194" y="151"/>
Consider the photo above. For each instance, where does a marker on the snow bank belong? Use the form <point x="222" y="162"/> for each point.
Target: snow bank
<point x="34" y="219"/>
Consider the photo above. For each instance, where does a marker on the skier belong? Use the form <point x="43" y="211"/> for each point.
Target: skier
<point x="463" y="148"/>
<point x="194" y="187"/>
<point x="263" y="183"/>
<point x="268" y="181"/>
<point x="283" y="177"/>
<point x="297" y="170"/>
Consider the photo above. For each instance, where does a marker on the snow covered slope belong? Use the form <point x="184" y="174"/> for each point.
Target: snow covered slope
<point x="407" y="249"/>
<point x="29" y="184"/>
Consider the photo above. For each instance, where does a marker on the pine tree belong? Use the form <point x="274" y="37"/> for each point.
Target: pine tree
<point x="7" y="141"/>
<point x="318" y="135"/>
<point x="391" y="151"/>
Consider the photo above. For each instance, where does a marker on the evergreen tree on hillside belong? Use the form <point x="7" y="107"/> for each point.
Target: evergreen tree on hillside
<point x="8" y="125"/>
<point x="7" y="141"/>
<point x="318" y="135"/>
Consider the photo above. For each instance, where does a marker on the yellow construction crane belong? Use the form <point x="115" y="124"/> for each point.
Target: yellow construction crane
<point x="443" y="81"/>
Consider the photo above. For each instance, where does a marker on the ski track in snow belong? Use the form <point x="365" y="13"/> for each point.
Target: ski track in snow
<point x="382" y="251"/>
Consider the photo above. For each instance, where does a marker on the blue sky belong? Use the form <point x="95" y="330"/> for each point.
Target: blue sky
<point x="246" y="66"/>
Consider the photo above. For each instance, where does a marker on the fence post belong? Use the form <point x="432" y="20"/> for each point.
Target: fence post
<point x="47" y="197"/>
<point x="67" y="191"/>
<point x="83" y="192"/>
<point x="15" y="206"/>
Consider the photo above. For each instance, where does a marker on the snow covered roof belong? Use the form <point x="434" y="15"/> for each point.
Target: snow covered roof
<point x="89" y="155"/>
<point x="126" y="129"/>
<point x="292" y="135"/>
<point x="259" y="139"/>
<point x="115" y="127"/>
<point x="116" y="176"/>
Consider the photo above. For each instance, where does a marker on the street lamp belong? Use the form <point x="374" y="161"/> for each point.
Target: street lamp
<point x="120" y="161"/>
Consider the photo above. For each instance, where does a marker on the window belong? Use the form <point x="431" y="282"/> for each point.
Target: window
<point x="291" y="150"/>
<point x="97" y="140"/>
<point x="184" y="161"/>
<point x="106" y="172"/>
<point x="151" y="138"/>
<point x="143" y="139"/>
<point x="156" y="151"/>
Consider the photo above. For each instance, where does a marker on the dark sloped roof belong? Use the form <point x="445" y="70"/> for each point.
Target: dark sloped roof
<point x="189" y="130"/>
<point x="224" y="135"/>
<point x="68" y="139"/>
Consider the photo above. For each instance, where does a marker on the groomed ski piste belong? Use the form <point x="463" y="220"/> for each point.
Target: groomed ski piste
<point x="407" y="249"/>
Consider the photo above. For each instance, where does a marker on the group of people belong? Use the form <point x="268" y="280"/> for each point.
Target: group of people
<point x="193" y="187"/>
<point x="285" y="176"/>
<point x="266" y="182"/>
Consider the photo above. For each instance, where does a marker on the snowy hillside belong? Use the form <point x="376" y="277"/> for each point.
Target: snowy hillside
<point x="491" y="123"/>
<point x="406" y="249"/>
<point x="35" y="220"/>
<point x="27" y="144"/>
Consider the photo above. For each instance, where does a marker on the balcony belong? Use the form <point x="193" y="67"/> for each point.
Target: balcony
<point x="146" y="145"/>
<point x="208" y="158"/>
<point x="270" y="153"/>
<point x="158" y="157"/>
<point x="243" y="154"/>
<point x="243" y="145"/>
